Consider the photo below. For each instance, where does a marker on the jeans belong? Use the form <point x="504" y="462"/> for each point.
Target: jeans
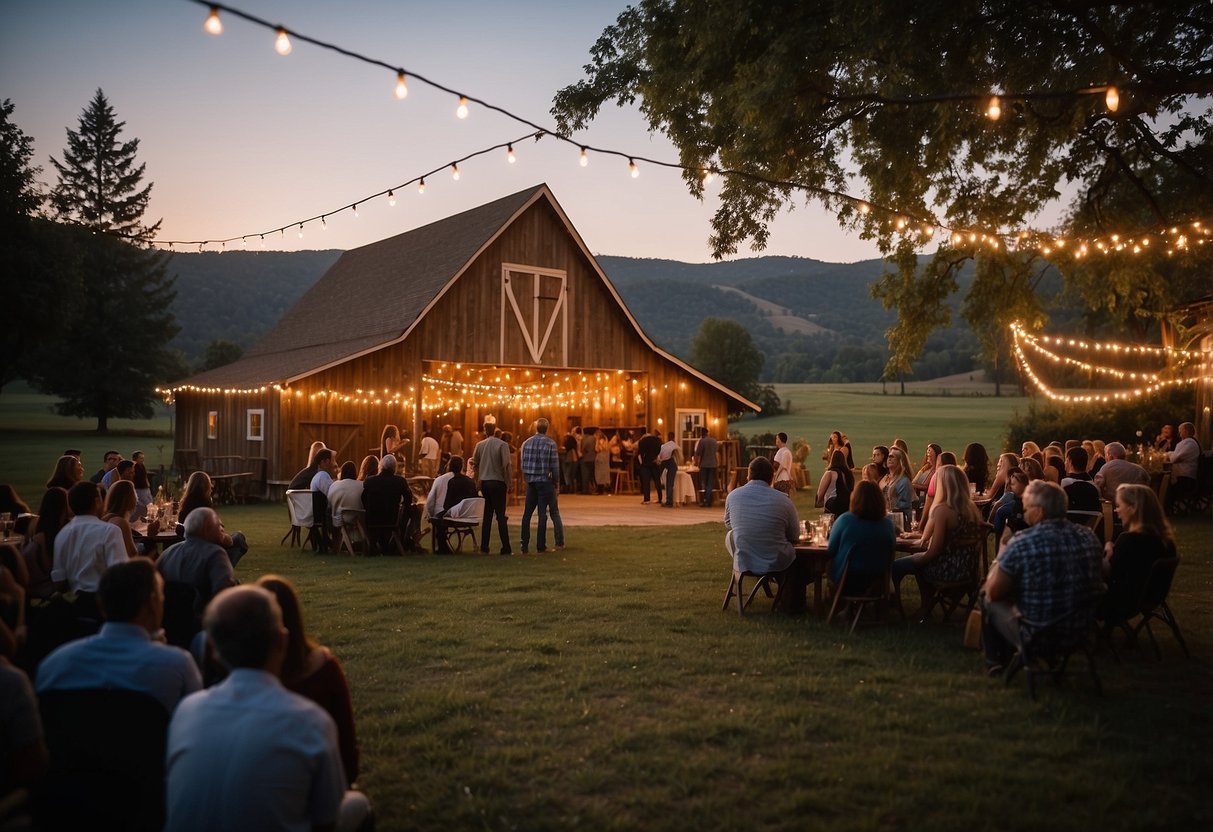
<point x="670" y="467"/>
<point x="541" y="494"/>
<point x="707" y="481"/>
<point x="587" y="476"/>
<point x="1000" y="637"/>
<point x="494" y="493"/>
<point x="650" y="475"/>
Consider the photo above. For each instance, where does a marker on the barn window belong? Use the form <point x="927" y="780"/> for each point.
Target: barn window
<point x="212" y="424"/>
<point x="256" y="425"/>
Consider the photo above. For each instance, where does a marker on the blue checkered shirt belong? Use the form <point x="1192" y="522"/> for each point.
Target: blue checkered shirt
<point x="1055" y="567"/>
<point x="540" y="459"/>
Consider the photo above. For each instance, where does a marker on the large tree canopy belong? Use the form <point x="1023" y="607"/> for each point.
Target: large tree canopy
<point x="879" y="112"/>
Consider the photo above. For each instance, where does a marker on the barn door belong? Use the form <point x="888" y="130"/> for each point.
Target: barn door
<point x="534" y="310"/>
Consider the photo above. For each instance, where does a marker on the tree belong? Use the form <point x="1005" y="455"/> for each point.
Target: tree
<point x="114" y="351"/>
<point x="35" y="255"/>
<point x="726" y="352"/>
<point x="220" y="353"/>
<point x="878" y="112"/>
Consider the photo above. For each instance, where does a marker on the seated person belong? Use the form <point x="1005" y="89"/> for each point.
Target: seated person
<point x="247" y="753"/>
<point x="458" y="488"/>
<point x="120" y="501"/>
<point x="200" y="560"/>
<point x="199" y="491"/>
<point x="346" y="495"/>
<point x="87" y="545"/>
<point x="1007" y="516"/>
<point x="389" y="505"/>
<point x="1082" y="493"/>
<point x="303" y="479"/>
<point x="1118" y="470"/>
<point x="124" y="655"/>
<point x="762" y="522"/>
<point x="1147" y="537"/>
<point x="862" y="540"/>
<point x="1047" y="572"/>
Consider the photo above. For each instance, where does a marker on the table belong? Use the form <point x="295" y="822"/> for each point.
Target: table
<point x="226" y="485"/>
<point x="811" y="562"/>
<point x="684" y="488"/>
<point x="17" y="540"/>
<point x="164" y="538"/>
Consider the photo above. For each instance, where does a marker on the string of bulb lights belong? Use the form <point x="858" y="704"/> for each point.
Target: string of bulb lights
<point x="1172" y="239"/>
<point x="1152" y="381"/>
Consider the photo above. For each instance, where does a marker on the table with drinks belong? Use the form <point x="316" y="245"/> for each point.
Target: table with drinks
<point x="7" y="523"/>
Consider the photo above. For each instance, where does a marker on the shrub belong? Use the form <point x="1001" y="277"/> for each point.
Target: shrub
<point x="1129" y="422"/>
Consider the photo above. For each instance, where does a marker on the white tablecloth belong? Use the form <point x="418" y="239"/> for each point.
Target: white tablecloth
<point x="684" y="489"/>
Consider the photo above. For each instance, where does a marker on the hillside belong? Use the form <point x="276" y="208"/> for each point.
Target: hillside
<point x="814" y="321"/>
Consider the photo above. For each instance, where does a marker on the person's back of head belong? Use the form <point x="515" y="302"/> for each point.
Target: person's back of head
<point x="349" y="471"/>
<point x="245" y="625"/>
<point x="1049" y="497"/>
<point x="1114" y="450"/>
<point x="761" y="469"/>
<point x="1077" y="457"/>
<point x="82" y="499"/>
<point x="323" y="455"/>
<point x="867" y="503"/>
<point x="126" y="588"/>
<point x="455" y="466"/>
<point x="125" y="468"/>
<point x="387" y="465"/>
<point x="196" y="522"/>
<point x="541" y="425"/>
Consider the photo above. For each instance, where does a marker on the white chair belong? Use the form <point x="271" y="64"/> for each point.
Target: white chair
<point x="463" y="519"/>
<point x="299" y="508"/>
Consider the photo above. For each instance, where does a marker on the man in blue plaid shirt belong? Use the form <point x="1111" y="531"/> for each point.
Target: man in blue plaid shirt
<point x="1049" y="574"/>
<point x="541" y="470"/>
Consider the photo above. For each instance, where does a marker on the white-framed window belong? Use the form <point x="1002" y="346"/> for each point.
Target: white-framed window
<point x="212" y="424"/>
<point x="255" y="422"/>
<point x="686" y="426"/>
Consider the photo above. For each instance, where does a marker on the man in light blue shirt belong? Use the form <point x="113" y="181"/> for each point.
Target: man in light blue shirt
<point x="762" y="522"/>
<point x="124" y="655"/>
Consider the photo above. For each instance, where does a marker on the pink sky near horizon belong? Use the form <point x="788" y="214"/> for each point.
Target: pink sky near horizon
<point x="238" y="139"/>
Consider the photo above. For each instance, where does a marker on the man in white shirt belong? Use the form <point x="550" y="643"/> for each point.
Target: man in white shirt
<point x="326" y="464"/>
<point x="667" y="461"/>
<point x="87" y="545"/>
<point x="783" y="465"/>
<point x="428" y="454"/>
<point x="1184" y="460"/>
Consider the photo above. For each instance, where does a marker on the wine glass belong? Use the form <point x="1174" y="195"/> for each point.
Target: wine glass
<point x="6" y="522"/>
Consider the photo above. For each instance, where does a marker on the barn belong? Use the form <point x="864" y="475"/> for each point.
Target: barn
<point x="498" y="311"/>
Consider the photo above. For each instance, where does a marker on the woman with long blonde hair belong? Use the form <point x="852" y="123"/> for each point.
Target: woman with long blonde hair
<point x="896" y="487"/>
<point x="1147" y="537"/>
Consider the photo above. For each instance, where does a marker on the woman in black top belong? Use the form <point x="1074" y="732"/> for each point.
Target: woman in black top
<point x="1127" y="562"/>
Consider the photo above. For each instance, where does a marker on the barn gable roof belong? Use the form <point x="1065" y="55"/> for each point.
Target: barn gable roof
<point x="399" y="278"/>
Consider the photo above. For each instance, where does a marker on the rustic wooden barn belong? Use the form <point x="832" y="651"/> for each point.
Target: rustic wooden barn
<point x="500" y="310"/>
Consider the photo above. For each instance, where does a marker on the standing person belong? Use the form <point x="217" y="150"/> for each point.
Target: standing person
<point x="602" y="463"/>
<point x="667" y="458"/>
<point x="247" y="753"/>
<point x="1184" y="461"/>
<point x="589" y="453"/>
<point x="493" y="468"/>
<point x="705" y="460"/>
<point x="647" y="451"/>
<point x="541" y="470"/>
<point x="428" y="454"/>
<point x="456" y="441"/>
<point x="783" y="465"/>
<point x="571" y="451"/>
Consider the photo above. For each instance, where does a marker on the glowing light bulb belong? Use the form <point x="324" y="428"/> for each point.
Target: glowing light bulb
<point x="282" y="45"/>
<point x="864" y="208"/>
<point x="1111" y="98"/>
<point x="300" y="231"/>
<point x="994" y="110"/>
<point x="455" y="172"/>
<point x="402" y="89"/>
<point x="421" y="186"/>
<point x="708" y="175"/>
<point x="509" y="154"/>
<point x="324" y="226"/>
<point x="635" y="171"/>
<point x="213" y="24"/>
<point x="391" y="198"/>
<point x="263" y="241"/>
<point x="355" y="210"/>
<point x="462" y="109"/>
<point x="585" y="159"/>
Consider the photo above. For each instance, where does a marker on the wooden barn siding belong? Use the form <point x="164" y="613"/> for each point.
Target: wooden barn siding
<point x="464" y="326"/>
<point x="190" y="428"/>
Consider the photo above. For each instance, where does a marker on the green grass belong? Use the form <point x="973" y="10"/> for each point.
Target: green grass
<point x="603" y="687"/>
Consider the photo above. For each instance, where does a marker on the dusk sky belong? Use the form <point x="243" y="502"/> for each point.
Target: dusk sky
<point x="238" y="139"/>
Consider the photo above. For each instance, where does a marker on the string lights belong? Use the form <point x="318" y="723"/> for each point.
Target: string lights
<point x="1148" y="382"/>
<point x="1172" y="239"/>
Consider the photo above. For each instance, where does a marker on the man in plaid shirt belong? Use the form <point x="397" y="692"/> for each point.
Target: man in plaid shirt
<point x="541" y="470"/>
<point x="1049" y="572"/>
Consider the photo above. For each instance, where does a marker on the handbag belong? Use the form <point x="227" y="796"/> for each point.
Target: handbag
<point x="972" y="634"/>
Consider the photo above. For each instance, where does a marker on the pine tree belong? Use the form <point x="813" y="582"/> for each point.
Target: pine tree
<point x="115" y="349"/>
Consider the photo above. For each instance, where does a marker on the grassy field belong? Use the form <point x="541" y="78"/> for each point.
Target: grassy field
<point x="602" y="687"/>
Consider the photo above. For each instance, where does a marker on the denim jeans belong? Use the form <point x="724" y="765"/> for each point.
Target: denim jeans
<point x="670" y="468"/>
<point x="494" y="493"/>
<point x="707" y="481"/>
<point x="541" y="494"/>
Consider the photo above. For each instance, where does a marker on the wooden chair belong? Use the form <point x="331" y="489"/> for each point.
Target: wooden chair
<point x="962" y="593"/>
<point x="1093" y="520"/>
<point x="879" y="595"/>
<point x="625" y="482"/>
<point x="384" y="538"/>
<point x="463" y="520"/>
<point x="299" y="509"/>
<point x="1153" y="606"/>
<point x="1050" y="644"/>
<point x="181" y="621"/>
<point x="763" y="582"/>
<point x="107" y="760"/>
<point x="353" y="532"/>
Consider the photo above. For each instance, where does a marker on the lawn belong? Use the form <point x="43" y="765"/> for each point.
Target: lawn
<point x="603" y="688"/>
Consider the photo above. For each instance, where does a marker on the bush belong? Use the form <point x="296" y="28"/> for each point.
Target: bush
<point x="1130" y="422"/>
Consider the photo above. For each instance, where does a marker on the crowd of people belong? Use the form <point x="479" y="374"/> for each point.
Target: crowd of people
<point x="256" y="717"/>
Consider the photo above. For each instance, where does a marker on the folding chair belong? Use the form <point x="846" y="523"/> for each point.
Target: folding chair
<point x="1093" y="520"/>
<point x="1053" y="643"/>
<point x="961" y="594"/>
<point x="299" y="509"/>
<point x="878" y="595"/>
<point x="1153" y="606"/>
<point x="764" y="583"/>
<point x="463" y="520"/>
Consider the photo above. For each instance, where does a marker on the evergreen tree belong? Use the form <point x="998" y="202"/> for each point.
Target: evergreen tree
<point x="114" y="351"/>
